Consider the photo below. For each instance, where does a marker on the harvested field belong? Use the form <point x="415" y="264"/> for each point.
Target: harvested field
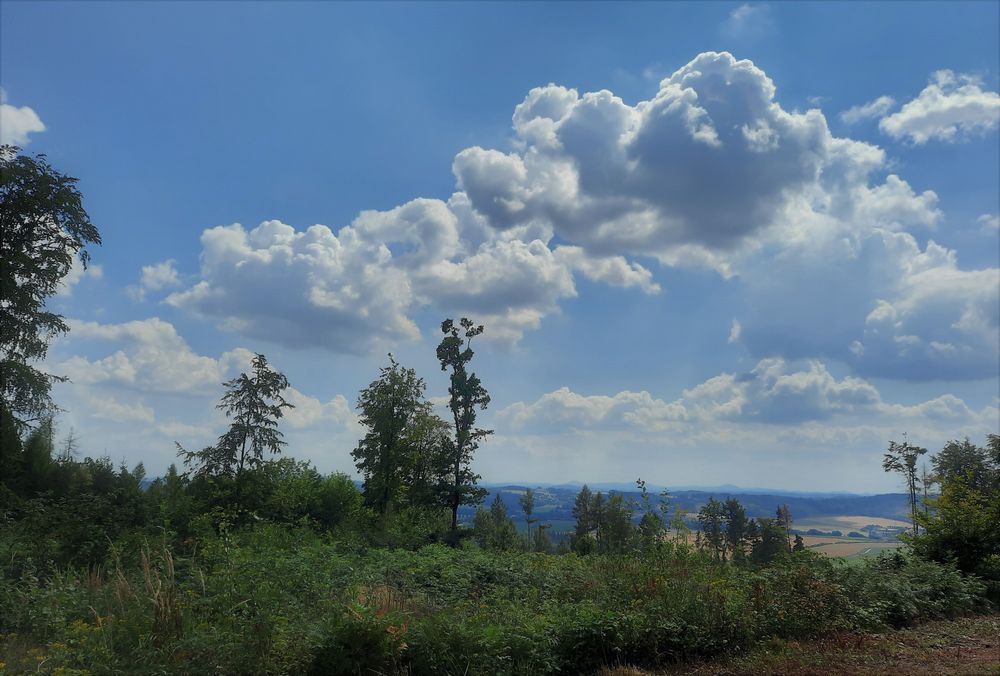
<point x="852" y="548"/>
<point x="847" y="523"/>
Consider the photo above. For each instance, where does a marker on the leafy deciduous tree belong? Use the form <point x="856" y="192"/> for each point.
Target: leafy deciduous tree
<point x="961" y="524"/>
<point x="43" y="227"/>
<point x="402" y="453"/>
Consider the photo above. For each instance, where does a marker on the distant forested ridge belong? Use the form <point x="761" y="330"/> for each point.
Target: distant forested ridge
<point x="556" y="502"/>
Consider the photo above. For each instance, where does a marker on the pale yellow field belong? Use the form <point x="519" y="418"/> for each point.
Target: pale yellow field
<point x="847" y="547"/>
<point x="846" y="523"/>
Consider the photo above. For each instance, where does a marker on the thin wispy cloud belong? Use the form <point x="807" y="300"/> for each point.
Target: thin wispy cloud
<point x="871" y="110"/>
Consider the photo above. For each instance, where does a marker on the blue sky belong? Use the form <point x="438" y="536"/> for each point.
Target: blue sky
<point x="711" y="243"/>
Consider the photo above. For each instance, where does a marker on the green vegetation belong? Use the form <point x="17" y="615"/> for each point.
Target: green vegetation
<point x="43" y="228"/>
<point x="284" y="599"/>
<point x="960" y="525"/>
<point x="253" y="563"/>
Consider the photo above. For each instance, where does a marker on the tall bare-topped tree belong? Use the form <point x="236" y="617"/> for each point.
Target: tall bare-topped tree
<point x="43" y="228"/>
<point x="528" y="507"/>
<point x="784" y="519"/>
<point x="902" y="458"/>
<point x="466" y="394"/>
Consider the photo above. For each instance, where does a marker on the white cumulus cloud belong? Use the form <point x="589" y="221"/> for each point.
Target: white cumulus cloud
<point x="149" y="355"/>
<point x="710" y="172"/>
<point x="951" y="108"/>
<point x="17" y="124"/>
<point x="154" y="278"/>
<point x="774" y="393"/>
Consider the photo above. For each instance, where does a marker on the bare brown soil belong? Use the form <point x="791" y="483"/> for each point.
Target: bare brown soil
<point x="963" y="646"/>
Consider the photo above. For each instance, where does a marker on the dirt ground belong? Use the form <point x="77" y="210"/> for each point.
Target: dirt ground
<point x="963" y="646"/>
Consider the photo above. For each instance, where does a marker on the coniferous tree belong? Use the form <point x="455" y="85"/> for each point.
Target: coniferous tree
<point x="738" y="530"/>
<point x="10" y="449"/>
<point x="541" y="542"/>
<point x="583" y="541"/>
<point x="653" y="523"/>
<point x="615" y="528"/>
<point x="771" y="543"/>
<point x="493" y="528"/>
<point x="255" y="403"/>
<point x="37" y="463"/>
<point x="713" y="537"/>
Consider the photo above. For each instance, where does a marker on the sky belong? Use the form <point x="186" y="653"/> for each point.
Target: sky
<point x="711" y="243"/>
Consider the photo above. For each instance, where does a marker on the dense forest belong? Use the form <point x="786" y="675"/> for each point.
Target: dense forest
<point x="242" y="559"/>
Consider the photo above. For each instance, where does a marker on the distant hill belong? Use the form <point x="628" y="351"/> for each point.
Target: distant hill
<point x="554" y="503"/>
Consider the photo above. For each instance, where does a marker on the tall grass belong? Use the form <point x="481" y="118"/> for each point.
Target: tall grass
<point x="274" y="600"/>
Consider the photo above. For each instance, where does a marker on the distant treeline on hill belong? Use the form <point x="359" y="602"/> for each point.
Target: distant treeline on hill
<point x="555" y="503"/>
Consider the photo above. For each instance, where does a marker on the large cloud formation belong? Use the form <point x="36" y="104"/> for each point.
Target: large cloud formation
<point x="710" y="172"/>
<point x="774" y="393"/>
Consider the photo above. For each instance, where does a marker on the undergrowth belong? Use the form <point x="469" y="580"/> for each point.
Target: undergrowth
<point x="280" y="600"/>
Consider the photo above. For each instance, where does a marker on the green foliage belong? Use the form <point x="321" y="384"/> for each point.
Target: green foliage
<point x="43" y="227"/>
<point x="961" y="524"/>
<point x="713" y="534"/>
<point x="404" y="455"/>
<point x="273" y="599"/>
<point x="255" y="404"/>
<point x="254" y="565"/>
<point x="493" y="529"/>
<point x="770" y="541"/>
<point x="604" y="525"/>
<point x="466" y="394"/>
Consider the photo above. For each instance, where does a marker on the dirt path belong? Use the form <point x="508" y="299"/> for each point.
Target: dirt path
<point x="964" y="646"/>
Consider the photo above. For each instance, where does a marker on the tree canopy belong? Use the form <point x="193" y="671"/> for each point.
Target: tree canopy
<point x="43" y="228"/>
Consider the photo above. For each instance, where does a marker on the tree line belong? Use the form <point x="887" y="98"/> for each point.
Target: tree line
<point x="416" y="466"/>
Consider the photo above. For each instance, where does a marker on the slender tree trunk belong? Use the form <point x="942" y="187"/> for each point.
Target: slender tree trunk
<point x="239" y="471"/>
<point x="455" y="497"/>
